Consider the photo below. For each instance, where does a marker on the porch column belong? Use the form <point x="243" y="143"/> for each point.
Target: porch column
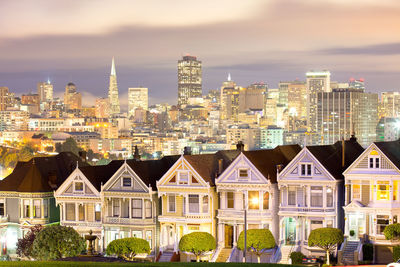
<point x="76" y="212"/>
<point x="235" y="235"/>
<point x="186" y="198"/>
<point x="260" y="200"/>
<point x="220" y="233"/>
<point x="391" y="191"/>
<point x="324" y="197"/>
<point x="42" y="209"/>
<point x="223" y="201"/>
<point x="143" y="215"/>
<point x="308" y="196"/>
<point x="120" y="208"/>
<point x="130" y="207"/>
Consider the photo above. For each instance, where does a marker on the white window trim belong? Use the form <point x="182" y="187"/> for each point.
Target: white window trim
<point x="295" y="197"/>
<point x="243" y="178"/>
<point x="374" y="157"/>
<point x="168" y="210"/>
<point x="199" y="204"/>
<point x="311" y="166"/>
<point x="122" y="182"/>
<point x="179" y="177"/>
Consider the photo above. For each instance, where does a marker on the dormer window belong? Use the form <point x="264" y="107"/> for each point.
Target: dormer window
<point x="183" y="177"/>
<point x="127" y="182"/>
<point x="78" y="187"/>
<point x="306" y="169"/>
<point x="243" y="174"/>
<point x="374" y="160"/>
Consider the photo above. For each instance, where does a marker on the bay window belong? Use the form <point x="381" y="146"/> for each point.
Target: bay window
<point x="171" y="203"/>
<point x="266" y="201"/>
<point x="36" y="208"/>
<point x="291" y="195"/>
<point x="27" y="213"/>
<point x="81" y="210"/>
<point x="382" y="192"/>
<point x="148" y="210"/>
<point x="194" y="204"/>
<point x="205" y="204"/>
<point x="70" y="211"/>
<point x="316" y="196"/>
<point x="253" y="200"/>
<point x="329" y="197"/>
<point x="136" y="208"/>
<point x="230" y="200"/>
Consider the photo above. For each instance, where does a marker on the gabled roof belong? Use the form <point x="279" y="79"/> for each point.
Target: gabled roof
<point x="392" y="150"/>
<point x="330" y="156"/>
<point x="267" y="160"/>
<point x="41" y="174"/>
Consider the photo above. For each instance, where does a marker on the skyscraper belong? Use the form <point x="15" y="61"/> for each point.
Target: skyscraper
<point x="317" y="81"/>
<point x="72" y="99"/>
<point x="344" y="111"/>
<point x="45" y="91"/>
<point x="390" y="103"/>
<point x="189" y="79"/>
<point x="113" y="91"/>
<point x="4" y="98"/>
<point x="102" y="107"/>
<point x="229" y="100"/>
<point x="137" y="97"/>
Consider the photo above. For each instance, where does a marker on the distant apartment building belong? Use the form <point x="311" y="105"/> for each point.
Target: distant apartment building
<point x="189" y="79"/>
<point x="45" y="91"/>
<point x="14" y="120"/>
<point x="317" y="81"/>
<point x="229" y="100"/>
<point x="344" y="111"/>
<point x="271" y="137"/>
<point x="390" y="104"/>
<point x="102" y="108"/>
<point x="249" y="136"/>
<point x="4" y="98"/>
<point x="138" y="97"/>
<point x="252" y="97"/>
<point x="72" y="98"/>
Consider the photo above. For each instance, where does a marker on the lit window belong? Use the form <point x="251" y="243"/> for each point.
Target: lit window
<point x="97" y="212"/>
<point x="78" y="186"/>
<point x="395" y="190"/>
<point x="36" y="208"/>
<point x="382" y="190"/>
<point x="266" y="201"/>
<point x="356" y="191"/>
<point x="230" y="200"/>
<point x="253" y="200"/>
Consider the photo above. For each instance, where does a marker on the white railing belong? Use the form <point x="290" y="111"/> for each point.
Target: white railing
<point x="4" y="218"/>
<point x="82" y="224"/>
<point x="216" y="254"/>
<point x="240" y="213"/>
<point x="307" y="209"/>
<point x="121" y="220"/>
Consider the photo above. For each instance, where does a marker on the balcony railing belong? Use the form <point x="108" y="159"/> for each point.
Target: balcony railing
<point x="121" y="220"/>
<point x="240" y="213"/>
<point x="81" y="224"/>
<point x="307" y="209"/>
<point x="4" y="218"/>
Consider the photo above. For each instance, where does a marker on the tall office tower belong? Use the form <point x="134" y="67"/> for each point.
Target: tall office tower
<point x="102" y="108"/>
<point x="113" y="91"/>
<point x="45" y="91"/>
<point x="72" y="99"/>
<point x="137" y="97"/>
<point x="390" y="104"/>
<point x="344" y="111"/>
<point x="229" y="100"/>
<point x="357" y="84"/>
<point x="317" y="81"/>
<point x="297" y="105"/>
<point x="283" y="93"/>
<point x="4" y="98"/>
<point x="252" y="97"/>
<point x="189" y="79"/>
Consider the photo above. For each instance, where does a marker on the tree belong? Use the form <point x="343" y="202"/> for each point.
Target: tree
<point x="392" y="231"/>
<point x="56" y="241"/>
<point x="197" y="243"/>
<point x="25" y="244"/>
<point x="128" y="248"/>
<point x="90" y="155"/>
<point x="49" y="149"/>
<point x="258" y="240"/>
<point x="325" y="238"/>
<point x="26" y="153"/>
<point x="70" y="145"/>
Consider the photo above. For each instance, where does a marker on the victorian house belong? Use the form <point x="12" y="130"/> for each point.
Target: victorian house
<point x="249" y="184"/>
<point x="311" y="192"/>
<point x="27" y="196"/>
<point x="372" y="198"/>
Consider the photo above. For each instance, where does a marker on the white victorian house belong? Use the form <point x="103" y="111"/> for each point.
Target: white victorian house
<point x="372" y="199"/>
<point x="311" y="188"/>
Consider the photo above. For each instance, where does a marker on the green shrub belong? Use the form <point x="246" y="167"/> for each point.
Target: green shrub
<point x="396" y="253"/>
<point x="197" y="243"/>
<point x="56" y="241"/>
<point x="352" y="233"/>
<point x="128" y="248"/>
<point x="257" y="240"/>
<point x="368" y="252"/>
<point x="392" y="231"/>
<point x="297" y="257"/>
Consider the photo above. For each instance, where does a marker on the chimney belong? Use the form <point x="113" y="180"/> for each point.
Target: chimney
<point x="240" y="146"/>
<point x="82" y="155"/>
<point x="220" y="166"/>
<point x="187" y="150"/>
<point x="343" y="152"/>
<point x="136" y="155"/>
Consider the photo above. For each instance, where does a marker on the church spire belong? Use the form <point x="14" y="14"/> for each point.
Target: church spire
<point x="113" y="72"/>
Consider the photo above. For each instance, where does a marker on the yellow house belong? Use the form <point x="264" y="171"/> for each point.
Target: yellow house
<point x="188" y="198"/>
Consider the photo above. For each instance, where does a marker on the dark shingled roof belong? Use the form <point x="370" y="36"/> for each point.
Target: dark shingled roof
<point x="392" y="150"/>
<point x="41" y="174"/>
<point x="330" y="156"/>
<point x="267" y="160"/>
<point x="149" y="171"/>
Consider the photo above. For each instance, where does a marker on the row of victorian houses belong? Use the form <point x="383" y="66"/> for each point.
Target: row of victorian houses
<point x="289" y="190"/>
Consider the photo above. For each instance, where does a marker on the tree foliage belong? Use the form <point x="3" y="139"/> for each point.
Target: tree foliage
<point x="25" y="244"/>
<point x="197" y="243"/>
<point x="26" y="153"/>
<point x="392" y="231"/>
<point x="69" y="145"/>
<point x="56" y="241"/>
<point x="258" y="240"/>
<point x="325" y="238"/>
<point x="128" y="248"/>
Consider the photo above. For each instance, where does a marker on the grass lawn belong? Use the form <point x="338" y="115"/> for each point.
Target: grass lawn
<point x="116" y="264"/>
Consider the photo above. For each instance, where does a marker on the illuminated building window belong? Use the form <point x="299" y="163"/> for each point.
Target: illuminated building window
<point x="382" y="192"/>
<point x="356" y="191"/>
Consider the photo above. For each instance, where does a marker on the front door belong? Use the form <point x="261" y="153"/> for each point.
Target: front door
<point x="290" y="231"/>
<point x="170" y="237"/>
<point x="228" y="236"/>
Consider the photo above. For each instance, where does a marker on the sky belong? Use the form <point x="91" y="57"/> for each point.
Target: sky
<point x="256" y="40"/>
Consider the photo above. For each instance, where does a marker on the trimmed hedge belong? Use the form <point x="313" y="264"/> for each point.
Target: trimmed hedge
<point x="297" y="257"/>
<point x="197" y="243"/>
<point x="128" y="248"/>
<point x="392" y="231"/>
<point x="396" y="253"/>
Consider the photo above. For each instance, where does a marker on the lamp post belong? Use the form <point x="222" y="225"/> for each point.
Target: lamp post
<point x="254" y="201"/>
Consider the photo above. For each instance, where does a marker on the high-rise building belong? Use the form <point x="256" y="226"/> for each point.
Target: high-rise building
<point x="4" y="98"/>
<point x="388" y="129"/>
<point x="342" y="112"/>
<point x="189" y="79"/>
<point x="102" y="107"/>
<point x="45" y="91"/>
<point x="113" y="91"/>
<point x="390" y="104"/>
<point x="252" y="97"/>
<point x="317" y="81"/>
<point x="137" y="97"/>
<point x="72" y="99"/>
<point x="229" y="100"/>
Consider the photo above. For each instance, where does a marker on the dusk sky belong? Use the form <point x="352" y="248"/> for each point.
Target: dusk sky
<point x="253" y="40"/>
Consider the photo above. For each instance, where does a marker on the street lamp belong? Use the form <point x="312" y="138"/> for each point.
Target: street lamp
<point x="254" y="201"/>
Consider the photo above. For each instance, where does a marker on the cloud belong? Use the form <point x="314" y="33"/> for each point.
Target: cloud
<point x="378" y="49"/>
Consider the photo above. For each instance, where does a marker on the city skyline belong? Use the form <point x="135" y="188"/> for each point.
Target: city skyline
<point x="150" y="46"/>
